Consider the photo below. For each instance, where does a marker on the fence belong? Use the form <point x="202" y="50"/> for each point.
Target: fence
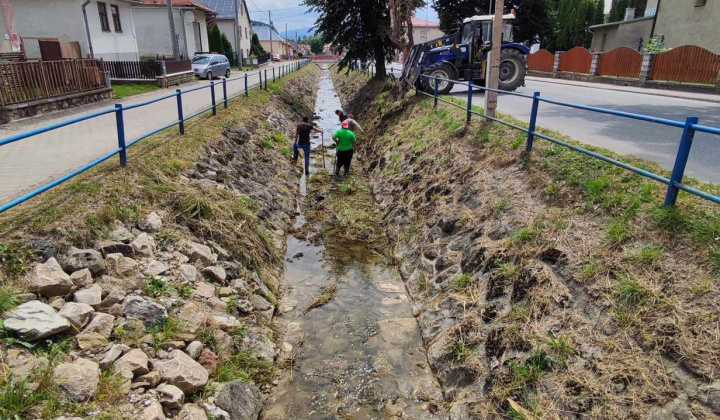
<point x="689" y="127"/>
<point x="123" y="143"/>
<point x="620" y="62"/>
<point x="263" y="58"/>
<point x="685" y="64"/>
<point x="542" y="60"/>
<point x="177" y="66"/>
<point x="31" y="80"/>
<point x="576" y="60"/>
<point x="143" y="70"/>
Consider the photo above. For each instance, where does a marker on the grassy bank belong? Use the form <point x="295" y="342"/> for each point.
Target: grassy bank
<point x="581" y="293"/>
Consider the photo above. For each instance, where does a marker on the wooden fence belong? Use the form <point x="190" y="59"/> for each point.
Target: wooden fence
<point x="576" y="60"/>
<point x="542" y="60"/>
<point x="620" y="62"/>
<point x="687" y="64"/>
<point x="177" y="66"/>
<point x="31" y="80"/>
<point x="141" y="70"/>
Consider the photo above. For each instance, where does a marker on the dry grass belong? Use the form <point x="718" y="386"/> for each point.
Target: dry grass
<point x="325" y="296"/>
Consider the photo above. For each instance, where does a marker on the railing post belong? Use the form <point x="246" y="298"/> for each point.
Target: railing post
<point x="273" y="69"/>
<point x="181" y="119"/>
<point x="266" y="87"/>
<point x="469" y="101"/>
<point x="533" y="119"/>
<point x="436" y="91"/>
<point x="225" y="93"/>
<point x="120" y="122"/>
<point x="247" y="92"/>
<point x="212" y="97"/>
<point x="681" y="161"/>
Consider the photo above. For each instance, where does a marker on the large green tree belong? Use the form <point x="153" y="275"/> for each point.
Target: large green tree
<point x="573" y="19"/>
<point x="532" y="17"/>
<point x="256" y="48"/>
<point x="358" y="27"/>
<point x="316" y="44"/>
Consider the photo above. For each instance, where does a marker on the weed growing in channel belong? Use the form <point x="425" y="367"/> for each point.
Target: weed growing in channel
<point x="648" y="255"/>
<point x="591" y="269"/>
<point x="461" y="351"/>
<point x="422" y="281"/>
<point x="245" y="366"/>
<point x="185" y="291"/>
<point x="16" y="259"/>
<point x="462" y="281"/>
<point x="8" y="298"/>
<point x="156" y="287"/>
<point x="561" y="346"/>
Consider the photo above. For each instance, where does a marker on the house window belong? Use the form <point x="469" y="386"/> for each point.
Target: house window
<point x="116" y="18"/>
<point x="246" y="35"/>
<point x="104" y="24"/>
<point x="700" y="3"/>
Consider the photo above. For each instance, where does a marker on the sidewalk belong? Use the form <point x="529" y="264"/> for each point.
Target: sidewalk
<point x="31" y="162"/>
<point x="705" y="97"/>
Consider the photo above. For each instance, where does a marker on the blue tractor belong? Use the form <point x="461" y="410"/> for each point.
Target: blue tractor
<point x="463" y="56"/>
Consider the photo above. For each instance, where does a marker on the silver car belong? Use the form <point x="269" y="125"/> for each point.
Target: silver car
<point x="210" y="65"/>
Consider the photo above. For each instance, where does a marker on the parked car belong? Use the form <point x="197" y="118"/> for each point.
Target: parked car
<point x="210" y="65"/>
<point x="276" y="57"/>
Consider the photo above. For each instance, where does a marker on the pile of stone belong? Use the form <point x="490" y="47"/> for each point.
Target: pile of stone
<point x="99" y="296"/>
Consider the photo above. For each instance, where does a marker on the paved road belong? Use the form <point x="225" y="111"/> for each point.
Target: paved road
<point x="654" y="142"/>
<point x="29" y="163"/>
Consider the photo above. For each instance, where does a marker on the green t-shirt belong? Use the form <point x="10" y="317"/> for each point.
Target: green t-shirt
<point x="345" y="139"/>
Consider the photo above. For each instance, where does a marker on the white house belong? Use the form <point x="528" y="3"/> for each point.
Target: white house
<point x="153" y="27"/>
<point x="424" y="31"/>
<point x="110" y="23"/>
<point x="225" y="20"/>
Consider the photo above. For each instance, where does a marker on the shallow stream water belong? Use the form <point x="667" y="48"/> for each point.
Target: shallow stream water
<point x="360" y="356"/>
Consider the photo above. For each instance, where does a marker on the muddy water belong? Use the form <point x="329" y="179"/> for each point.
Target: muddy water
<point x="360" y="356"/>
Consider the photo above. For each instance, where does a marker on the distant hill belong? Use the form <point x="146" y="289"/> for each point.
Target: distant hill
<point x="301" y="32"/>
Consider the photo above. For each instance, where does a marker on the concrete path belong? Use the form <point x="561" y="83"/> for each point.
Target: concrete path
<point x="35" y="161"/>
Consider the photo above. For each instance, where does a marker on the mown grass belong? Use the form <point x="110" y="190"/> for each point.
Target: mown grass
<point x="123" y="91"/>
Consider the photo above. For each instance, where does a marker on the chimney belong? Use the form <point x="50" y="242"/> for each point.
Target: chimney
<point x="630" y="13"/>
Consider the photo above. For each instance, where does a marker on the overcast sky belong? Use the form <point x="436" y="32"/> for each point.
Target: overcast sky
<point x="291" y="12"/>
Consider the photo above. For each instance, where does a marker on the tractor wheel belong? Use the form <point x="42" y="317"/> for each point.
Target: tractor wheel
<point x="443" y="71"/>
<point x="513" y="67"/>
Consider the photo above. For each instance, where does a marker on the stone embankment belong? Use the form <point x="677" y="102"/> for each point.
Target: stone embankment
<point x="531" y="306"/>
<point x="168" y="314"/>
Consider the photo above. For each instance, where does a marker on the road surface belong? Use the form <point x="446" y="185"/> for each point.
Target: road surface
<point x="654" y="142"/>
<point x="35" y="161"/>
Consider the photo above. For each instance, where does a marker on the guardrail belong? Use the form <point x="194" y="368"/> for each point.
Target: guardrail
<point x="689" y="127"/>
<point x="118" y="110"/>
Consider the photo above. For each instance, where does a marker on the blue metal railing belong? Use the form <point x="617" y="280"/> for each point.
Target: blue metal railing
<point x="119" y="110"/>
<point x="674" y="183"/>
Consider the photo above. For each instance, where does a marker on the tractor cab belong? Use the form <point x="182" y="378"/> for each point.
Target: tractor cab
<point x="463" y="55"/>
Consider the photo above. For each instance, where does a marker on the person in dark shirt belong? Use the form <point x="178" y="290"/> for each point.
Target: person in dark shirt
<point x="302" y="141"/>
<point x="341" y="115"/>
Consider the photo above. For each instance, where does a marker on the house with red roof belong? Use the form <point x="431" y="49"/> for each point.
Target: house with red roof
<point x="152" y="27"/>
<point x="424" y="31"/>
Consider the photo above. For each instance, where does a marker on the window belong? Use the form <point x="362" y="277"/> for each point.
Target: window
<point x="246" y="35"/>
<point x="116" y="18"/>
<point x="104" y="24"/>
<point x="700" y="3"/>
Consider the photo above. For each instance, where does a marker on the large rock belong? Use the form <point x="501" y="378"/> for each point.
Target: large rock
<point x="263" y="347"/>
<point x="79" y="314"/>
<point x="204" y="290"/>
<point x="181" y="370"/>
<point x="50" y="280"/>
<point x="191" y="316"/>
<point x="171" y="396"/>
<point x="152" y="223"/>
<point x="114" y="247"/>
<point x="187" y="273"/>
<point x="91" y="295"/>
<point x="111" y="284"/>
<point x="113" y="354"/>
<point x="119" y="265"/>
<point x="77" y="259"/>
<point x="193" y="349"/>
<point x="215" y="273"/>
<point x="191" y="412"/>
<point x="198" y="252"/>
<point x="35" y="320"/>
<point x="77" y="380"/>
<point x="144" y="245"/>
<point x="101" y="323"/>
<point x="153" y="411"/>
<point x="91" y="339"/>
<point x="24" y="365"/>
<point x="135" y="361"/>
<point x="156" y="268"/>
<point x="150" y="313"/>
<point x="241" y="400"/>
<point x="82" y="278"/>
<point x="121" y="234"/>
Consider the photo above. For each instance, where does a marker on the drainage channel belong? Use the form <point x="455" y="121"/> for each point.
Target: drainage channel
<point x="360" y="355"/>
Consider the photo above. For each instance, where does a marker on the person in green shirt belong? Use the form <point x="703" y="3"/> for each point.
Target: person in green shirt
<point x="345" y="139"/>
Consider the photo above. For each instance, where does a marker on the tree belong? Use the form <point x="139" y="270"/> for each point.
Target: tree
<point x="401" y="26"/>
<point x="452" y="12"/>
<point x="359" y="27"/>
<point x="316" y="44"/>
<point x="227" y="48"/>
<point x="215" y="39"/>
<point x="573" y="19"/>
<point x="256" y="48"/>
<point x="617" y="10"/>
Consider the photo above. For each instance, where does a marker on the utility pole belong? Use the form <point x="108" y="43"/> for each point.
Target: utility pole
<point x="270" y="23"/>
<point x="491" y="97"/>
<point x="237" y="36"/>
<point x="173" y="36"/>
